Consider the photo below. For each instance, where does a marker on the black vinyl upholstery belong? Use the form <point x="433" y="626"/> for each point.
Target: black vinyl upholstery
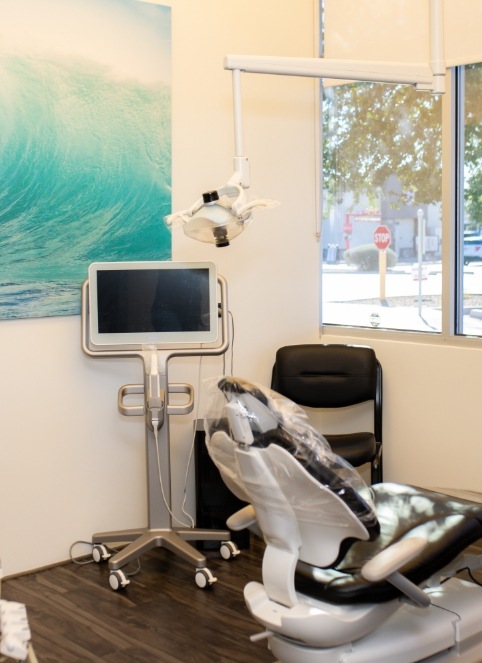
<point x="335" y="376"/>
<point x="448" y="525"/>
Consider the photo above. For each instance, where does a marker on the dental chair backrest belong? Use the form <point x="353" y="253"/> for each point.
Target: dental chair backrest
<point x="309" y="502"/>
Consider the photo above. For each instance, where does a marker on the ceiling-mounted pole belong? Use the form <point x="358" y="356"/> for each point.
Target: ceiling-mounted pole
<point x="238" y="118"/>
<point x="437" y="49"/>
<point x="241" y="166"/>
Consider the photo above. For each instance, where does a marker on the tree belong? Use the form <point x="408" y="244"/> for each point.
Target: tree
<point x="372" y="131"/>
<point x="473" y="144"/>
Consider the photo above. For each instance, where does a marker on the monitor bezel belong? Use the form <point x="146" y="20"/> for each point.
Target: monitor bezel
<point x="140" y="340"/>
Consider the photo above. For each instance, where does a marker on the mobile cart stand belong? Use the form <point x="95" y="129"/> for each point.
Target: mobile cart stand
<point x="156" y="410"/>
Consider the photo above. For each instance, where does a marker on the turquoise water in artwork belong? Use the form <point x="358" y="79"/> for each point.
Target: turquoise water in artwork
<point x="85" y="175"/>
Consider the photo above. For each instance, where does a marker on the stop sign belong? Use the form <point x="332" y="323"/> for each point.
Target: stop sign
<point x="382" y="237"/>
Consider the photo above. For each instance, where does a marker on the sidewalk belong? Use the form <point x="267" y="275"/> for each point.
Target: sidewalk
<point x="353" y="297"/>
<point x="403" y="318"/>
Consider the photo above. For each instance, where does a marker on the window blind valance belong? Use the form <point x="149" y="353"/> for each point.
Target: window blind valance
<point x="399" y="30"/>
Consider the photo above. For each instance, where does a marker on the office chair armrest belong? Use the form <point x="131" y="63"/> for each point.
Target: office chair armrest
<point x="386" y="564"/>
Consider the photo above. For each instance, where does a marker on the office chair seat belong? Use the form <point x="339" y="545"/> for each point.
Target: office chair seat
<point x="356" y="448"/>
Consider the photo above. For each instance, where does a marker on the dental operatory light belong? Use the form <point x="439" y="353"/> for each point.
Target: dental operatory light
<point x="219" y="215"/>
<point x="222" y="214"/>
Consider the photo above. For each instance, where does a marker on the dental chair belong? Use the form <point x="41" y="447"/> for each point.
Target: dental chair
<point x="350" y="573"/>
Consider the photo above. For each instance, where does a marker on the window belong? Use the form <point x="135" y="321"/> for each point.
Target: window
<point x="382" y="177"/>
<point x="469" y="272"/>
<point x="382" y="240"/>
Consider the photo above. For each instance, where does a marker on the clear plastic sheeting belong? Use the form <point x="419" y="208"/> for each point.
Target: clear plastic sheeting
<point x="263" y="418"/>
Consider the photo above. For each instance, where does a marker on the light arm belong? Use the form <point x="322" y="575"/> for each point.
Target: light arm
<point x="419" y="75"/>
<point x="428" y="76"/>
<point x="219" y="216"/>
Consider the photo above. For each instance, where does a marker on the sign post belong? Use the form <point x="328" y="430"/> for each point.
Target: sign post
<point x="421" y="233"/>
<point x="382" y="239"/>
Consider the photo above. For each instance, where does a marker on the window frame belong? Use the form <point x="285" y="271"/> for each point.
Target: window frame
<point x="452" y="229"/>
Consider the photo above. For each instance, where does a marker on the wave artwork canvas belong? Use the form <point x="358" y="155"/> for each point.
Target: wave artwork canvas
<point x="85" y="145"/>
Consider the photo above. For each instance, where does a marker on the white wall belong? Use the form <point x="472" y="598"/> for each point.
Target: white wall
<point x="71" y="465"/>
<point x="432" y="401"/>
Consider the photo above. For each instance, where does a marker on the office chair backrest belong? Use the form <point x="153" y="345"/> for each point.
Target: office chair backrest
<point x="326" y="376"/>
<point x="333" y="377"/>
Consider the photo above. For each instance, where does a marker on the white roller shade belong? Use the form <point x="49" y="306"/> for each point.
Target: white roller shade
<point x="398" y="30"/>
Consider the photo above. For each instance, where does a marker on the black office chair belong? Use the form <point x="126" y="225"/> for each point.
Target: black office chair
<point x="336" y="376"/>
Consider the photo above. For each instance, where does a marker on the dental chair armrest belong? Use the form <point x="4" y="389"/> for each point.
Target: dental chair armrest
<point x="245" y="517"/>
<point x="392" y="558"/>
<point x="385" y="565"/>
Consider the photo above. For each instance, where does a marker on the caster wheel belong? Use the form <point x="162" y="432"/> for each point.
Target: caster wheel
<point x="229" y="550"/>
<point x="118" y="580"/>
<point x="204" y="578"/>
<point x="100" y="553"/>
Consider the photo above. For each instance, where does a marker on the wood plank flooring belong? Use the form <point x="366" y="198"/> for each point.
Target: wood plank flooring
<point x="162" y="616"/>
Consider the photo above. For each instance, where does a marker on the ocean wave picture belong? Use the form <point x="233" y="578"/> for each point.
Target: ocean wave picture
<point x="85" y="145"/>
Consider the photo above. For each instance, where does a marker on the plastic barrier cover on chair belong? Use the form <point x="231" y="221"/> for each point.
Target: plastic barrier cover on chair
<point x="275" y="419"/>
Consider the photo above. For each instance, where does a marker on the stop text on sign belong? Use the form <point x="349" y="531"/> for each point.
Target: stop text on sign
<point x="382" y="237"/>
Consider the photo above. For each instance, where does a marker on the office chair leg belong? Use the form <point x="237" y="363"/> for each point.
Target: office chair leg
<point x="377" y="470"/>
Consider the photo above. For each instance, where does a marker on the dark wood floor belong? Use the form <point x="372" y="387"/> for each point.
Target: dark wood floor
<point x="162" y="616"/>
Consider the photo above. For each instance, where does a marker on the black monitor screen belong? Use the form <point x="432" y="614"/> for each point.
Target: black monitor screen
<point x="148" y="300"/>
<point x="144" y="305"/>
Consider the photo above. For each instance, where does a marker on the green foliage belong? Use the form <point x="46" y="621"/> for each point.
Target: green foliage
<point x="473" y="144"/>
<point x="366" y="257"/>
<point x="372" y="131"/>
<point x="473" y="200"/>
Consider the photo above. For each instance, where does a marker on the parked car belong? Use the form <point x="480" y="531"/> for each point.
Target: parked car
<point x="472" y="249"/>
